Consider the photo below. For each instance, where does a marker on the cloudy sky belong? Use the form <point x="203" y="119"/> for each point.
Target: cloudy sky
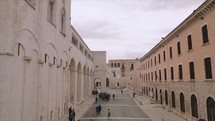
<point x="128" y="29"/>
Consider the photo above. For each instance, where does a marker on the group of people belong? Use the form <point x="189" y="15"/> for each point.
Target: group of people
<point x="104" y="96"/>
<point x="71" y="114"/>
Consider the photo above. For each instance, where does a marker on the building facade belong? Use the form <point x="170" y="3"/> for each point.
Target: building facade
<point x="120" y="73"/>
<point x="45" y="66"/>
<point x="179" y="71"/>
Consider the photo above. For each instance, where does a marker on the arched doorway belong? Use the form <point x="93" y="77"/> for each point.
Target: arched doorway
<point x="107" y="82"/>
<point x="211" y="109"/>
<point x="182" y="104"/>
<point x="161" y="97"/>
<point x="173" y="99"/>
<point x="97" y="83"/>
<point x="166" y="97"/>
<point x="194" y="106"/>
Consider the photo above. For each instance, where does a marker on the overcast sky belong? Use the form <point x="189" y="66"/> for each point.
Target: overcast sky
<point x="128" y="29"/>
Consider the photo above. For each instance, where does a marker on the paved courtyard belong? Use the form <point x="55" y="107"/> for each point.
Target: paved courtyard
<point x="123" y="108"/>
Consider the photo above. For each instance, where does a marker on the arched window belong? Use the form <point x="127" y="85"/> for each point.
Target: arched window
<point x="182" y="104"/>
<point x="161" y="97"/>
<point x="211" y="109"/>
<point x="166" y="97"/>
<point x="173" y="99"/>
<point x="194" y="106"/>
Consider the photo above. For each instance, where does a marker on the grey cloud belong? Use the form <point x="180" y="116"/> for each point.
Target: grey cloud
<point x="98" y="30"/>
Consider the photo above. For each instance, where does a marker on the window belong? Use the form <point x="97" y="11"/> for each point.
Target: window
<point x="19" y="45"/>
<point x="152" y="76"/>
<point x="149" y="76"/>
<point x="208" y="68"/>
<point x="189" y="42"/>
<point x="114" y="74"/>
<point x="172" y="73"/>
<point x="180" y="70"/>
<point x="194" y="106"/>
<point x="63" y="20"/>
<point x="179" y="48"/>
<point x="173" y="99"/>
<point x="182" y="104"/>
<point x="159" y="58"/>
<point x="155" y="60"/>
<point x="205" y="34"/>
<point x="210" y="109"/>
<point x="118" y="64"/>
<point x="165" y="76"/>
<point x="51" y="11"/>
<point x="160" y="75"/>
<point x="166" y="97"/>
<point x="54" y="60"/>
<point x="111" y="64"/>
<point x="115" y="64"/>
<point x="156" y="75"/>
<point x="148" y="64"/>
<point x="170" y="52"/>
<point x="192" y="70"/>
<point x="164" y="56"/>
<point x="151" y="63"/>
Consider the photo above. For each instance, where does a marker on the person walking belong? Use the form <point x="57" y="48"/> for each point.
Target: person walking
<point x="73" y="114"/>
<point x="113" y="96"/>
<point x="96" y="99"/>
<point x="109" y="114"/>
<point x="134" y="94"/>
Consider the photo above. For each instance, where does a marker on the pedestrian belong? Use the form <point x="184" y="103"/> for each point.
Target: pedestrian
<point x="109" y="114"/>
<point x="121" y="91"/>
<point x="73" y="114"/>
<point x="113" y="96"/>
<point x="70" y="110"/>
<point x="96" y="99"/>
<point x="134" y="94"/>
<point x="100" y="108"/>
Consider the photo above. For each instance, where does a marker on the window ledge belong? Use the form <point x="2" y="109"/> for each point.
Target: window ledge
<point x="209" y="80"/>
<point x="205" y="44"/>
<point x="192" y="80"/>
<point x="191" y="50"/>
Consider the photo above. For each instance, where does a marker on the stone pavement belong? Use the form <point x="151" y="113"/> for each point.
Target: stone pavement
<point x="156" y="111"/>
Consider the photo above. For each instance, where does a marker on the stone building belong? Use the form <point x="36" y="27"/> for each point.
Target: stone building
<point x="179" y="71"/>
<point x="119" y="73"/>
<point x="45" y="66"/>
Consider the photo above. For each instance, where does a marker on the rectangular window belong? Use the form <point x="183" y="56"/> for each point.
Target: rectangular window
<point x="159" y="58"/>
<point x="192" y="70"/>
<point x="156" y="77"/>
<point x="164" y="56"/>
<point x="151" y="63"/>
<point x="160" y="75"/>
<point x="205" y="34"/>
<point x="149" y="76"/>
<point x="46" y="58"/>
<point x="179" y="48"/>
<point x="189" y="42"/>
<point x="132" y="66"/>
<point x="54" y="59"/>
<point x="172" y="73"/>
<point x="148" y="64"/>
<point x="152" y="76"/>
<point x="170" y="52"/>
<point x="208" y="68"/>
<point x="155" y="60"/>
<point x="114" y="74"/>
<point x="180" y="70"/>
<point x="165" y="76"/>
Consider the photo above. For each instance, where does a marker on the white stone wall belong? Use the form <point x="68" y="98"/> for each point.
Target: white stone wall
<point x="42" y="72"/>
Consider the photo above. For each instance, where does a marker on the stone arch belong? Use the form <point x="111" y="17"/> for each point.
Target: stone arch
<point x="194" y="106"/>
<point x="161" y="97"/>
<point x="28" y="40"/>
<point x="182" y="102"/>
<point x="166" y="97"/>
<point x="79" y="82"/>
<point x="173" y="99"/>
<point x="210" y="109"/>
<point x="72" y="80"/>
